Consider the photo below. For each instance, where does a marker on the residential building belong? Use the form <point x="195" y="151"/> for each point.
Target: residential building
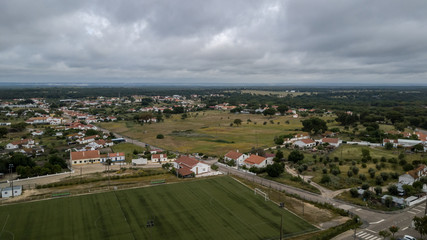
<point x="159" y="158"/>
<point x="414" y="175"/>
<point x="237" y="156"/>
<point x="85" y="157"/>
<point x="188" y="165"/>
<point x="305" y="143"/>
<point x="256" y="161"/>
<point x="331" y="141"/>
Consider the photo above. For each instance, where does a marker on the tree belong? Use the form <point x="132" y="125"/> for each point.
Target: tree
<point x="354" y="193"/>
<point x="384" y="233"/>
<point x="160" y="136"/>
<point x="421" y="225"/>
<point x="269" y="111"/>
<point x="417" y="148"/>
<point x="55" y="159"/>
<point x="282" y="109"/>
<point x="378" y="190"/>
<point x="275" y="169"/>
<point x="392" y="189"/>
<point x="3" y="131"/>
<point x="314" y="124"/>
<point x="393" y="230"/>
<point x="91" y="132"/>
<point x="279" y="156"/>
<point x="388" y="146"/>
<point x="366" y="156"/>
<point x="237" y="122"/>
<point x="19" y="127"/>
<point x="295" y="156"/>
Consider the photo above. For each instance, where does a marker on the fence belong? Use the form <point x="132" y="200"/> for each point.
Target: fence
<point x="47" y="175"/>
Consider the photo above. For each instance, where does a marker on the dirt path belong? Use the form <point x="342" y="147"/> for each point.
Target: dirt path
<point x="327" y="193"/>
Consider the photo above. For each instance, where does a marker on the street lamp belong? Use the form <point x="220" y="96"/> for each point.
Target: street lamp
<point x="11" y="177"/>
<point x="355" y="227"/>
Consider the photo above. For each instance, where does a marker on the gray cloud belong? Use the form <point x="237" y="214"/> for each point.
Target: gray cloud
<point x="246" y="42"/>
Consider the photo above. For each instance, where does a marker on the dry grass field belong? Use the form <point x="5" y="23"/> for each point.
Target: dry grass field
<point x="209" y="132"/>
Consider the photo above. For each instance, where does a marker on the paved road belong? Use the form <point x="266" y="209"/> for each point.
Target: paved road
<point x="373" y="221"/>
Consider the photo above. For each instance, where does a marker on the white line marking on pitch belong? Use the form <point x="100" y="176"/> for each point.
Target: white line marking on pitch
<point x="403" y="229"/>
<point x="382" y="220"/>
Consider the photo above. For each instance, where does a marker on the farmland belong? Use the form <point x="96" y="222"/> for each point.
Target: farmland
<point x="216" y="208"/>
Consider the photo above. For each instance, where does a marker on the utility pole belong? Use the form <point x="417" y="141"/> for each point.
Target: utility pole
<point x="11" y="177"/>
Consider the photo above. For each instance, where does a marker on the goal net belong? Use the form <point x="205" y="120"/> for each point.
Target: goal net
<point x="259" y="192"/>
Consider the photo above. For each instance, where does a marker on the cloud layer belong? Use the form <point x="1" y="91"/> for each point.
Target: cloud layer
<point x="205" y="42"/>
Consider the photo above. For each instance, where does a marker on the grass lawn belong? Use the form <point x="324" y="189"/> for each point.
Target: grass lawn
<point x="216" y="208"/>
<point x="209" y="132"/>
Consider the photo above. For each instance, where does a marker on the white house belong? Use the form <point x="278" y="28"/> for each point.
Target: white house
<point x="414" y="175"/>
<point x="27" y="143"/>
<point x="187" y="165"/>
<point x="332" y="141"/>
<point x="256" y="161"/>
<point x="87" y="139"/>
<point x="305" y="143"/>
<point x="159" y="158"/>
<point x="37" y="133"/>
<point x="117" y="157"/>
<point x="236" y="156"/>
<point x="7" y="192"/>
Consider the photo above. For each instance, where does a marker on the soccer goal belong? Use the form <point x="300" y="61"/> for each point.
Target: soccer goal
<point x="258" y="191"/>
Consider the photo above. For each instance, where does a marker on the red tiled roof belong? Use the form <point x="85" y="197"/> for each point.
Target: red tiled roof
<point x="187" y="161"/>
<point x="158" y="155"/>
<point x="184" y="171"/>
<point x="307" y="141"/>
<point x="255" y="159"/>
<point x="233" y="155"/>
<point x="330" y="140"/>
<point x="118" y="154"/>
<point x="84" y="155"/>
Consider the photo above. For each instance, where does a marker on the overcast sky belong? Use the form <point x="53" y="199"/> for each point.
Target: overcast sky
<point x="214" y="42"/>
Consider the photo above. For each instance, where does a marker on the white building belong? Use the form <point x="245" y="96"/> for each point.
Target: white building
<point x="187" y="166"/>
<point x="7" y="192"/>
<point x="257" y="161"/>
<point x="305" y="143"/>
<point x="159" y="158"/>
<point x="236" y="156"/>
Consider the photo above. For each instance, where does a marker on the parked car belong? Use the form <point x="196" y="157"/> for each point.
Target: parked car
<point x="407" y="237"/>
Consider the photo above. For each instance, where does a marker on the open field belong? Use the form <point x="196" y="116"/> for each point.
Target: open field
<point x="209" y="132"/>
<point x="216" y="208"/>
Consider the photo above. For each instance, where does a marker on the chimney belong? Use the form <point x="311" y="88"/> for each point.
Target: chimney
<point x="237" y="150"/>
<point x="257" y="154"/>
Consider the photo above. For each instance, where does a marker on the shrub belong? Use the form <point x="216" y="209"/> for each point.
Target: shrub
<point x="160" y="136"/>
<point x="325" y="179"/>
<point x="365" y="186"/>
<point x="354" y="193"/>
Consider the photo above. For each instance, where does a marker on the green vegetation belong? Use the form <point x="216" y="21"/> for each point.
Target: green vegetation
<point x="216" y="208"/>
<point x="208" y="132"/>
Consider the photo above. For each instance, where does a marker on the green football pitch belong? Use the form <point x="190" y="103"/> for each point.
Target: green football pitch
<point x="215" y="208"/>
